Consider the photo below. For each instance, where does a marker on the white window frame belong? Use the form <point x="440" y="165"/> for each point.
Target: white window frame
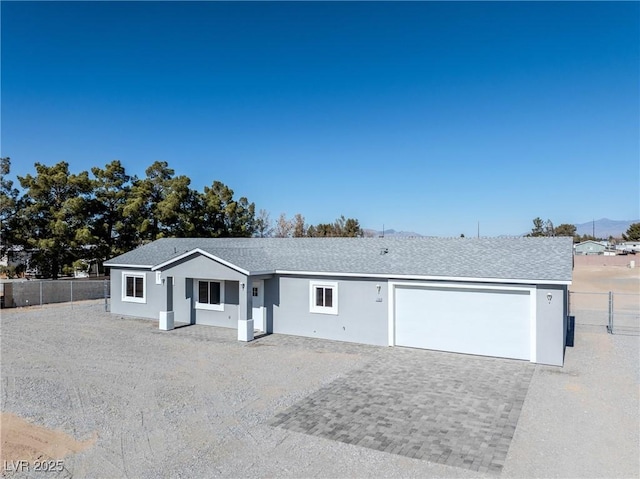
<point x="207" y="306"/>
<point x="334" y="296"/>
<point x="133" y="299"/>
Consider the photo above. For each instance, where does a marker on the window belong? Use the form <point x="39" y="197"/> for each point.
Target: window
<point x="254" y="292"/>
<point x="208" y="292"/>
<point x="210" y="295"/>
<point x="323" y="297"/>
<point x="133" y="287"/>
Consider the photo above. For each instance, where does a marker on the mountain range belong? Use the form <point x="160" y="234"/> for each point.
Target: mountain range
<point x="391" y="233"/>
<point x="603" y="228"/>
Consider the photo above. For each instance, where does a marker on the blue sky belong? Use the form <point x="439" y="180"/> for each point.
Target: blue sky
<point x="424" y="116"/>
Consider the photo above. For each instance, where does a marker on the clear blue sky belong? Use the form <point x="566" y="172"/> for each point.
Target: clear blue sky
<point x="423" y="116"/>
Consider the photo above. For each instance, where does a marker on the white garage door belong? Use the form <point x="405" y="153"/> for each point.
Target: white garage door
<point x="474" y="321"/>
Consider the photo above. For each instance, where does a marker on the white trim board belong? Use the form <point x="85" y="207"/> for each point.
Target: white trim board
<point x="533" y="324"/>
<point x="203" y="253"/>
<point x="134" y="299"/>
<point x="137" y="266"/>
<point x="333" y="285"/>
<point x="208" y="306"/>
<point x="391" y="277"/>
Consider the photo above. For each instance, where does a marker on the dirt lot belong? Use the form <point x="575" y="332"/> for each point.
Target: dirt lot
<point x="602" y="276"/>
<point x="115" y="397"/>
<point x="593" y="279"/>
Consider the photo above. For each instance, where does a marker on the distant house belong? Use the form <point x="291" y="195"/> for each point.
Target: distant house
<point x="16" y="257"/>
<point x="589" y="248"/>
<point x="502" y="297"/>
<point x="629" y="247"/>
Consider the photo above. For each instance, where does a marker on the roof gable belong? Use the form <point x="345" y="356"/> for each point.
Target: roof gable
<point x="199" y="251"/>
<point x="597" y="243"/>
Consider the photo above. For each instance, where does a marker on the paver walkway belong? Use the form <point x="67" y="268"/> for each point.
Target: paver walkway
<point x="447" y="408"/>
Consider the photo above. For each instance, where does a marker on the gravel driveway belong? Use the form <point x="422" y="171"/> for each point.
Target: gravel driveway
<point x="195" y="402"/>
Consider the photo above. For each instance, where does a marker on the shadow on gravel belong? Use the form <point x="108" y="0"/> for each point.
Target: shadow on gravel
<point x="571" y="331"/>
<point x="183" y="325"/>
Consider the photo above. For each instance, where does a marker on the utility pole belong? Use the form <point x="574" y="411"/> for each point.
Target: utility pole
<point x="478" y="229"/>
<point x="593" y="228"/>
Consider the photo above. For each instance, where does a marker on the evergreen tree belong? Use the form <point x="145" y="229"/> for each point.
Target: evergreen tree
<point x="222" y="216"/>
<point x="538" y="228"/>
<point x="633" y="233"/>
<point x="565" y="230"/>
<point x="54" y="217"/>
<point x="9" y="200"/>
<point x="161" y="205"/>
<point x="114" y="233"/>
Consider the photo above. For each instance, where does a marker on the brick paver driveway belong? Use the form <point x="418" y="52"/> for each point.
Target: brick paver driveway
<point x="447" y="408"/>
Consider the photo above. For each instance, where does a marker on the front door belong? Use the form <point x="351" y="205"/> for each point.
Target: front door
<point x="257" y="301"/>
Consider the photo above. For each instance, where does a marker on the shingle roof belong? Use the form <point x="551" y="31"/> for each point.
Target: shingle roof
<point x="535" y="259"/>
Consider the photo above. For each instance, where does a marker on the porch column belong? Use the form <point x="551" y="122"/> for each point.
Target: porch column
<point x="245" y="322"/>
<point x="166" y="316"/>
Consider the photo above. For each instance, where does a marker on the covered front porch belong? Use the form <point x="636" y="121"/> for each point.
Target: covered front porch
<point x="200" y="290"/>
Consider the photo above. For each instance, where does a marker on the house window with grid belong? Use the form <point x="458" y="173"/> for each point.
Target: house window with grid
<point x="133" y="287"/>
<point x="210" y="295"/>
<point x="323" y="297"/>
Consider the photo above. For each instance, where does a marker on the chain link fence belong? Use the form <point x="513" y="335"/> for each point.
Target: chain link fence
<point x="618" y="313"/>
<point x="17" y="294"/>
<point x="625" y="313"/>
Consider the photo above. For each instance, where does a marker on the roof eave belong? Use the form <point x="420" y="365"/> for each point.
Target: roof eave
<point x="127" y="265"/>
<point x="428" y="277"/>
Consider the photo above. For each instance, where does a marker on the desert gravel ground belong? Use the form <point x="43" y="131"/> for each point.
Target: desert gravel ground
<point x="127" y="400"/>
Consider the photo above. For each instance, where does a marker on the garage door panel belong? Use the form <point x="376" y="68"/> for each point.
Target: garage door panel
<point x="472" y="321"/>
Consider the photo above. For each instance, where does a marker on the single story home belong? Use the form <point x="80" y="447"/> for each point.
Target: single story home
<point x="590" y="247"/>
<point x="17" y="257"/>
<point x="502" y="297"/>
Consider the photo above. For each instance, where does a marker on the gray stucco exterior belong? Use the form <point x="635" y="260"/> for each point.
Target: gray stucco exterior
<point x="551" y="324"/>
<point x="185" y="273"/>
<point x="363" y="312"/>
<point x="155" y="300"/>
